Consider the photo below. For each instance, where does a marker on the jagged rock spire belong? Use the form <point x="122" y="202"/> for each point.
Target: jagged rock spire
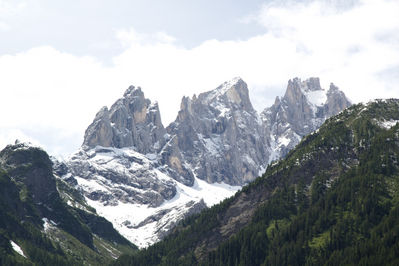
<point x="219" y="134"/>
<point x="132" y="121"/>
<point x="304" y="107"/>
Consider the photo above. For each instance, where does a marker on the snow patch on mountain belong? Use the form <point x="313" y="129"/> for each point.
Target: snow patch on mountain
<point x="212" y="144"/>
<point x="136" y="194"/>
<point x="131" y="220"/>
<point x="387" y="124"/>
<point x="17" y="248"/>
<point x="145" y="178"/>
<point x="317" y="97"/>
<point x="222" y="89"/>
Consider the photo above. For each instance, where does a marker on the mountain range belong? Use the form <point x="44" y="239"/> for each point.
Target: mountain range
<point x="144" y="177"/>
<point x="333" y="200"/>
<point x="136" y="181"/>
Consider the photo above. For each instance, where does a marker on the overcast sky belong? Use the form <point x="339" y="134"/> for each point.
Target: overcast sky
<point x="61" y="61"/>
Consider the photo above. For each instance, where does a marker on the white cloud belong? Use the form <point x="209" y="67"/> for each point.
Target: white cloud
<point x="53" y="96"/>
<point x="9" y="135"/>
<point x="4" y="26"/>
<point x="343" y="45"/>
<point x="130" y="37"/>
<point x="53" y="91"/>
<point x="10" y="8"/>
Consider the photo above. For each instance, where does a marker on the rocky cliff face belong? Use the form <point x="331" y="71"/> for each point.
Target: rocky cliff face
<point x="126" y="177"/>
<point x="144" y="177"/>
<point x="132" y="121"/>
<point x="33" y="168"/>
<point x="302" y="110"/>
<point x="220" y="134"/>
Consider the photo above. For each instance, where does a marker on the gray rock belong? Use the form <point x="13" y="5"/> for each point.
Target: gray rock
<point x="302" y="110"/>
<point x="217" y="136"/>
<point x="220" y="135"/>
<point x="129" y="157"/>
<point x="173" y="163"/>
<point x="336" y="101"/>
<point x="127" y="177"/>
<point x="132" y="121"/>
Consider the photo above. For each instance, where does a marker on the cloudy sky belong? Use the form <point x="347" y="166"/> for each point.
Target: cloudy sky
<point x="61" y="61"/>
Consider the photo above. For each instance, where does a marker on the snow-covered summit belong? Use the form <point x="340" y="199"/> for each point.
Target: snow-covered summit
<point x="232" y="92"/>
<point x="223" y="88"/>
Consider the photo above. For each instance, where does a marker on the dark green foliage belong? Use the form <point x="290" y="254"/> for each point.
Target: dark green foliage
<point x="28" y="193"/>
<point x="16" y="224"/>
<point x="333" y="201"/>
<point x="101" y="227"/>
<point x="31" y="169"/>
<point x="67" y="192"/>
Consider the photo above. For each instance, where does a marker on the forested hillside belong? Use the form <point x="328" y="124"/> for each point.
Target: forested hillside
<point x="332" y="201"/>
<point x="37" y="224"/>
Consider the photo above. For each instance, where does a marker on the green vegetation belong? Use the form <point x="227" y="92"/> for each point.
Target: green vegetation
<point x="16" y="224"/>
<point x="28" y="194"/>
<point x="332" y="201"/>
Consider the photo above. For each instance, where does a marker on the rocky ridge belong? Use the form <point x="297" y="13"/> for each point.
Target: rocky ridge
<point x="303" y="109"/>
<point x="220" y="135"/>
<point x="144" y="177"/>
<point x="45" y="220"/>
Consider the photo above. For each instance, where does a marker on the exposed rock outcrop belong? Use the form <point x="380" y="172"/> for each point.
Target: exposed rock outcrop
<point x="302" y="110"/>
<point x="131" y="163"/>
<point x="220" y="134"/>
<point x="132" y="121"/>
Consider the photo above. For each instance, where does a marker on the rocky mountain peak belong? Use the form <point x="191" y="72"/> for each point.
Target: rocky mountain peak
<point x="132" y="121"/>
<point x="132" y="91"/>
<point x="311" y="84"/>
<point x="336" y="101"/>
<point x="308" y="91"/>
<point x="219" y="134"/>
<point x="185" y="106"/>
<point x="293" y="92"/>
<point x="103" y="112"/>
<point x="217" y="137"/>
<point x="333" y="89"/>
<point x="233" y="92"/>
<point x="304" y="107"/>
<point x="17" y="159"/>
<point x="234" y="84"/>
